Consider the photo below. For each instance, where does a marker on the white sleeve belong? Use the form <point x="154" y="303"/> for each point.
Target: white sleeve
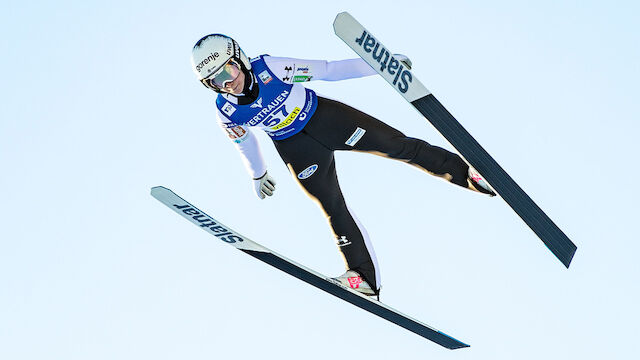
<point x="292" y="70"/>
<point x="247" y="145"/>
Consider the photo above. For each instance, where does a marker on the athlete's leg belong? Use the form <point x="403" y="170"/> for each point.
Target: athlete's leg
<point x="341" y="127"/>
<point x="313" y="166"/>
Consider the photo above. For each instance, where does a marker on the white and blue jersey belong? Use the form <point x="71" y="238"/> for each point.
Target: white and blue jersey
<point x="283" y="106"/>
<point x="281" y="109"/>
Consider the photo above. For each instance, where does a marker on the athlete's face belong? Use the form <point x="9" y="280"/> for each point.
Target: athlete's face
<point x="236" y="85"/>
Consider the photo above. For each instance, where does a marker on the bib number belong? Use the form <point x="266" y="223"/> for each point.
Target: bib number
<point x="276" y="117"/>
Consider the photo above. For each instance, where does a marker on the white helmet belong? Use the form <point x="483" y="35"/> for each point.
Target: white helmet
<point x="211" y="53"/>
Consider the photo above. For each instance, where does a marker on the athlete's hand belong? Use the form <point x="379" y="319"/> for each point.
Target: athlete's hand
<point x="264" y="185"/>
<point x="403" y="59"/>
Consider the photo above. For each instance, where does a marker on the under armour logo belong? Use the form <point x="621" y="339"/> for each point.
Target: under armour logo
<point x="257" y="104"/>
<point x="343" y="241"/>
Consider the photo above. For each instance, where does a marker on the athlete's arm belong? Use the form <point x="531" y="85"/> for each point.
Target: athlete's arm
<point x="292" y="70"/>
<point x="247" y="145"/>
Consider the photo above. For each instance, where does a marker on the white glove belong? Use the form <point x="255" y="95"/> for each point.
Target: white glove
<point x="403" y="59"/>
<point x="264" y="185"/>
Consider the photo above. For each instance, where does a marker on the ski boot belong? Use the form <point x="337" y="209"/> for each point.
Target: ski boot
<point x="477" y="183"/>
<point x="353" y="280"/>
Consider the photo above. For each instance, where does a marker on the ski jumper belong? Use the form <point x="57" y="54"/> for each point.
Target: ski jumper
<point x="306" y="129"/>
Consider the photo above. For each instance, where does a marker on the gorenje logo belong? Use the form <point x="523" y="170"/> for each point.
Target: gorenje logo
<point x="207" y="222"/>
<point x="207" y="60"/>
<point x="394" y="67"/>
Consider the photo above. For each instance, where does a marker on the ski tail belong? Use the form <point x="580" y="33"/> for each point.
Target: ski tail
<point x="407" y="84"/>
<point x="550" y="234"/>
<point x="359" y="300"/>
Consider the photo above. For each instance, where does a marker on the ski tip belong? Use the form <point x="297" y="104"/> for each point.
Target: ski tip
<point x="340" y="16"/>
<point x="159" y="189"/>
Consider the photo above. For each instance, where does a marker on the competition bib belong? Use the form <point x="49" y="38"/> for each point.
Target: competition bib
<point x="280" y="109"/>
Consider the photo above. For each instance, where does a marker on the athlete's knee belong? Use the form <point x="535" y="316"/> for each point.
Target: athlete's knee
<point x="406" y="148"/>
<point x="420" y="152"/>
<point x="331" y="202"/>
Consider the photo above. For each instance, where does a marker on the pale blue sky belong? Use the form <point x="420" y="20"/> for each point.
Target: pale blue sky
<point x="99" y="104"/>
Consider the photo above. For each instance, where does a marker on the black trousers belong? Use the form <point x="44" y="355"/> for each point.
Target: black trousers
<point x="310" y="156"/>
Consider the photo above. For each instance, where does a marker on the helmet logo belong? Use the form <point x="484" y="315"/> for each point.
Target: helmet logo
<point x="207" y="60"/>
<point x="236" y="48"/>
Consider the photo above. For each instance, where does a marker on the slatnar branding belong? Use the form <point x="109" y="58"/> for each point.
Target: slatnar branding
<point x="387" y="62"/>
<point x="208" y="223"/>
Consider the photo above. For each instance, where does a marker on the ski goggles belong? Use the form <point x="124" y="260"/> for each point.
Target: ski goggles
<point x="227" y="73"/>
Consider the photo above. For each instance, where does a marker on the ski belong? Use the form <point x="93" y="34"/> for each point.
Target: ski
<point x="327" y="284"/>
<point x="404" y="81"/>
